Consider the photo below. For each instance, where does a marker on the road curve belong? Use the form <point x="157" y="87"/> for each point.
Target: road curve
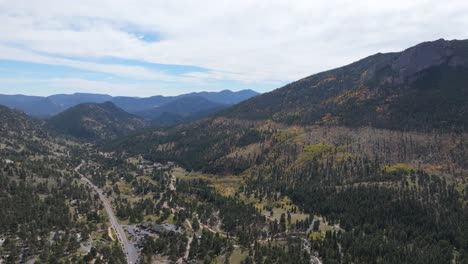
<point x="128" y="248"/>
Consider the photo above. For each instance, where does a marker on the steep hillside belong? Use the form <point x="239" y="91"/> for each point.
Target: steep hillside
<point x="420" y="89"/>
<point x="20" y="135"/>
<point x="24" y="138"/>
<point x="423" y="87"/>
<point x="96" y="121"/>
<point x="13" y="120"/>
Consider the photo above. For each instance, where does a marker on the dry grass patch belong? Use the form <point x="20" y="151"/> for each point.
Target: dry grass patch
<point x="224" y="185"/>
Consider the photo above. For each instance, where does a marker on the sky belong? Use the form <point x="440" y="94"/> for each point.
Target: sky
<point x="152" y="47"/>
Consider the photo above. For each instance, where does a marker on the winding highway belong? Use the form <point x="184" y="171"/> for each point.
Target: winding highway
<point x="131" y="253"/>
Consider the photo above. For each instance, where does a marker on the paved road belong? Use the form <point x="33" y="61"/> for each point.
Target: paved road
<point x="128" y="248"/>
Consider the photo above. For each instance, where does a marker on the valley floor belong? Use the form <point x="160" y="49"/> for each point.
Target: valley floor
<point x="309" y="195"/>
<point x="131" y="252"/>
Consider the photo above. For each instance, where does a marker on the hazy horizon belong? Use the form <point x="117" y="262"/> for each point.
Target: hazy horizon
<point x="73" y="93"/>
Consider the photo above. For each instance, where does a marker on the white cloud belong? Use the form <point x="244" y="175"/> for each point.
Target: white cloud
<point x="243" y="40"/>
<point x="138" y="72"/>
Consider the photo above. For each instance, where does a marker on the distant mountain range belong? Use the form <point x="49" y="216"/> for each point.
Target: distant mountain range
<point x="51" y="105"/>
<point x="181" y="110"/>
<point x="103" y="117"/>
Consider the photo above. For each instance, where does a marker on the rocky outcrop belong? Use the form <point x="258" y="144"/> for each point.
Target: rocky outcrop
<point x="426" y="55"/>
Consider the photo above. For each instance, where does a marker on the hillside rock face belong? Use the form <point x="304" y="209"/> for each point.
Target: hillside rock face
<point x="423" y="88"/>
<point x="425" y="56"/>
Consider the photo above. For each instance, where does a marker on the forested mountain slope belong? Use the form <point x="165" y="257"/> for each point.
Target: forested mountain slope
<point x="423" y="87"/>
<point x="96" y="121"/>
<point x="21" y="135"/>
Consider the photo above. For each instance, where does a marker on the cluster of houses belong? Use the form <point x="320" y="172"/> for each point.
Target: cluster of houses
<point x="160" y="228"/>
<point x="8" y="161"/>
<point x="144" y="164"/>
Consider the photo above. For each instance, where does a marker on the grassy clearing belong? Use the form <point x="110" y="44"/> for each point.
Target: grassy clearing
<point x="153" y="218"/>
<point x="323" y="228"/>
<point x="224" y="185"/>
<point x="123" y="222"/>
<point x="277" y="207"/>
<point x="277" y="212"/>
<point x="124" y="188"/>
<point x="238" y="255"/>
<point x="251" y="150"/>
<point x="317" y="235"/>
<point x="321" y="150"/>
<point x="289" y="134"/>
<point x="399" y="168"/>
<point x="169" y="220"/>
<point x="136" y="198"/>
<point x="147" y="178"/>
<point x="315" y="150"/>
<point x="134" y="161"/>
